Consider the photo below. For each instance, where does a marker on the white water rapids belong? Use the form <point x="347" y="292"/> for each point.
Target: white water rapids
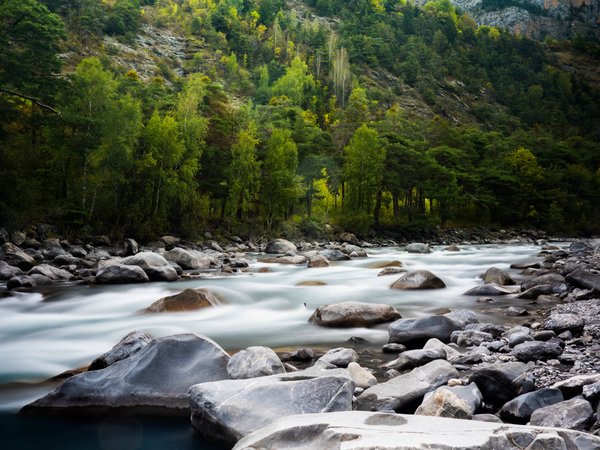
<point x="44" y="334"/>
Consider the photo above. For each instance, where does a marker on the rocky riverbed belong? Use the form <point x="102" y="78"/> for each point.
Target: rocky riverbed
<point x="459" y="381"/>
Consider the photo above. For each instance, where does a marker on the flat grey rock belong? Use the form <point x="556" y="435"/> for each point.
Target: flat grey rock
<point x="574" y="414"/>
<point x="353" y="314"/>
<point x="420" y="330"/>
<point x="121" y="274"/>
<point x="188" y="259"/>
<point x="415" y="358"/>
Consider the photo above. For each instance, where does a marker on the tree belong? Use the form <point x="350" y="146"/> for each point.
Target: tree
<point x="281" y="186"/>
<point x="341" y="75"/>
<point x="296" y="84"/>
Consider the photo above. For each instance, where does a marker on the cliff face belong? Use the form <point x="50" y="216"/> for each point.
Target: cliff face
<point x="560" y="19"/>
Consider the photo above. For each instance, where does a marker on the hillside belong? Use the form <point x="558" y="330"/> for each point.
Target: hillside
<point x="253" y="116"/>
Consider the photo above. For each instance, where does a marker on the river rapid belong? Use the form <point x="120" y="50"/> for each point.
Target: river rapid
<point x="47" y="332"/>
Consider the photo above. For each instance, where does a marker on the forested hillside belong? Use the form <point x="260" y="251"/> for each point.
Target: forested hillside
<point x="145" y="117"/>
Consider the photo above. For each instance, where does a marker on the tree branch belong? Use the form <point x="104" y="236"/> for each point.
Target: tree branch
<point x="33" y="99"/>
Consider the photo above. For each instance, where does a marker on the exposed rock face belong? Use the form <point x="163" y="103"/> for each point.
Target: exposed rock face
<point x="420" y="330"/>
<point x="419" y="279"/>
<point x="187" y="300"/>
<point x="377" y="431"/>
<point x="154" y="380"/>
<point x="254" y="362"/>
<point x="121" y="274"/>
<point x="225" y="411"/>
<point x="353" y="314"/>
<point x="280" y="246"/>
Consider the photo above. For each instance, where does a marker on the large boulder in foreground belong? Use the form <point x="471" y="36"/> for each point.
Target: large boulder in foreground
<point x="419" y="279"/>
<point x="225" y="411"/>
<point x="280" y="247"/>
<point x="155" y="380"/>
<point x="370" y="431"/>
<point x="405" y="392"/>
<point x="353" y="314"/>
<point x="187" y="300"/>
<point x="420" y="330"/>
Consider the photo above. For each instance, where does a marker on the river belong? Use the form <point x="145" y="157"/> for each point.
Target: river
<point x="48" y="332"/>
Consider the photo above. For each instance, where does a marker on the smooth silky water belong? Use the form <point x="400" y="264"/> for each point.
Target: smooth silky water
<point x="45" y="333"/>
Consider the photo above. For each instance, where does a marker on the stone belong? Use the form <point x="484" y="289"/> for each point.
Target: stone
<point x="459" y="402"/>
<point x="121" y="274"/>
<point x="420" y="330"/>
<point x="536" y="351"/>
<point x="302" y="355"/>
<point x="155" y="380"/>
<point x="54" y="273"/>
<point x="500" y="383"/>
<point x="574" y="386"/>
<point x="125" y="247"/>
<point x="349" y="237"/>
<point x="254" y="362"/>
<point x="126" y="347"/>
<point x="525" y="266"/>
<point x="436" y="343"/>
<point x="584" y="278"/>
<point x="487" y="327"/>
<point x="580" y="247"/>
<point x="419" y="279"/>
<point x="16" y="257"/>
<point x="534" y="292"/>
<point x="188" y="259"/>
<point x="563" y="322"/>
<point x="489" y="289"/>
<point x="7" y="271"/>
<point x="544" y="335"/>
<point x="573" y="414"/>
<point x="464" y="316"/>
<point x="416" y="358"/>
<point x="391" y="271"/>
<point x="487" y="418"/>
<point x="21" y="281"/>
<point x="353" y="314"/>
<point x="406" y="391"/>
<point x="334" y="255"/>
<point x="187" y="300"/>
<point x="418" y="247"/>
<point x="516" y="311"/>
<point x="452" y="248"/>
<point x="393" y="348"/>
<point x="469" y="338"/>
<point x="496" y="276"/>
<point x="362" y="377"/>
<point x="519" y="409"/>
<point x="360" y="430"/>
<point x="280" y="246"/>
<point x="287" y="259"/>
<point x="318" y="261"/>
<point x="226" y="411"/>
<point x="154" y="265"/>
<point x="591" y="392"/>
<point x="170" y="241"/>
<point x="339" y="357"/>
<point x="548" y="278"/>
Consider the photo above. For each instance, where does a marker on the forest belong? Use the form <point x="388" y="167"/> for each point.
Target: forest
<point x="286" y="117"/>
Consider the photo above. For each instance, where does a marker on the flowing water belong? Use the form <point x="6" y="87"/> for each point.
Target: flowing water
<point x="45" y="333"/>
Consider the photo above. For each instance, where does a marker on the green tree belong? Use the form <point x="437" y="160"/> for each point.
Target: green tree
<point x="297" y="83"/>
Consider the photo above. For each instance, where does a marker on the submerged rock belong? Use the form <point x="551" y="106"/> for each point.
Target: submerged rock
<point x="418" y="247"/>
<point x="353" y="314"/>
<point x="419" y="279"/>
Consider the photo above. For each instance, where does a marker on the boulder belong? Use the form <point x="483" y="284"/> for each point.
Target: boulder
<point x="496" y="276"/>
<point x="21" y="281"/>
<point x="349" y="237"/>
<point x="16" y="257"/>
<point x="126" y="347"/>
<point x="356" y="430"/>
<point x="536" y="351"/>
<point x="452" y="248"/>
<point x="170" y="241"/>
<point x="490" y="289"/>
<point x="420" y="330"/>
<point x="302" y="355"/>
<point x="391" y="271"/>
<point x="500" y="383"/>
<point x="54" y="273"/>
<point x="469" y="338"/>
<point x="188" y="259"/>
<point x="516" y="311"/>
<point x="458" y="402"/>
<point x="156" y="266"/>
<point x="318" y="261"/>
<point x="226" y="411"/>
<point x="7" y="271"/>
<point x="254" y="362"/>
<point x="548" y="278"/>
<point x="419" y="279"/>
<point x="464" y="316"/>
<point x="436" y="343"/>
<point x="573" y="414"/>
<point x="334" y="255"/>
<point x="584" y="278"/>
<point x="287" y="259"/>
<point x="581" y="247"/>
<point x="519" y="409"/>
<point x="415" y="358"/>
<point x="564" y="322"/>
<point x="418" y="247"/>
<point x="405" y="392"/>
<point x="155" y="380"/>
<point x="280" y="246"/>
<point x="126" y="247"/>
<point x="574" y="386"/>
<point x="362" y="377"/>
<point x="534" y="292"/>
<point x="353" y="314"/>
<point x="350" y="249"/>
<point x="121" y="274"/>
<point x="187" y="300"/>
<point x="339" y="357"/>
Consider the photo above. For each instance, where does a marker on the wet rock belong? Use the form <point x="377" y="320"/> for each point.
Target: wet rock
<point x="187" y="300"/>
<point x="452" y="248"/>
<point x="126" y="347"/>
<point x="393" y="348"/>
<point x="464" y="316"/>
<point x="573" y="414"/>
<point x="524" y="266"/>
<point x="7" y="271"/>
<point x="584" y="278"/>
<point x="407" y="391"/>
<point x="580" y="247"/>
<point x="188" y="259"/>
<point x="362" y="377"/>
<point x="225" y="411"/>
<point x="287" y="259"/>
<point x="469" y="338"/>
<point x="544" y="335"/>
<point x="516" y="311"/>
<point x="500" y="383"/>
<point x="534" y="292"/>
<point x="350" y="250"/>
<point x="154" y="265"/>
<point x="418" y="247"/>
<point x="419" y="279"/>
<point x="126" y="247"/>
<point x="353" y="314"/>
<point x="334" y="255"/>
<point x="563" y="322"/>
<point x="548" y="278"/>
<point x="121" y="274"/>
<point x="369" y="431"/>
<point x="302" y="355"/>
<point x="16" y="257"/>
<point x="416" y="358"/>
<point x="21" y="281"/>
<point x="155" y="380"/>
<point x="436" y="343"/>
<point x="339" y="357"/>
<point x="54" y="273"/>
<point x="170" y="241"/>
<point x="420" y="330"/>
<point x="496" y="276"/>
<point x="280" y="246"/>
<point x="489" y="289"/>
<point x="42" y="280"/>
<point x="254" y="362"/>
<point x="391" y="271"/>
<point x="536" y="351"/>
<point x="349" y="237"/>
<point x="318" y="261"/>
<point x="519" y="409"/>
<point x="458" y="402"/>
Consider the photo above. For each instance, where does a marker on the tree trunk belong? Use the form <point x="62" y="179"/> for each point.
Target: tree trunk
<point x="377" y="211"/>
